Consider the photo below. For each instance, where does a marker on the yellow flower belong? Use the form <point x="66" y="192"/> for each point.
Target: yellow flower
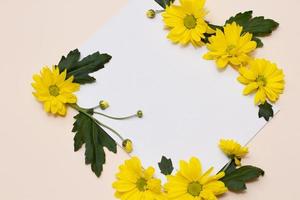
<point x="233" y="150"/>
<point x="190" y="183"/>
<point x="263" y="78"/>
<point x="127" y="145"/>
<point x="186" y="22"/>
<point x="135" y="183"/>
<point x="230" y="47"/>
<point x="52" y="88"/>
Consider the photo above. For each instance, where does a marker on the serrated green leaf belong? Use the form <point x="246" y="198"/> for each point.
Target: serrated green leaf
<point x="164" y="3"/>
<point x="257" y="26"/>
<point x="69" y="61"/>
<point x="265" y="111"/>
<point x="166" y="166"/>
<point x="240" y="18"/>
<point x="236" y="179"/>
<point x="81" y="69"/>
<point x="88" y="132"/>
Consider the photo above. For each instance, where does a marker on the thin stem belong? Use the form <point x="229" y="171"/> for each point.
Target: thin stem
<point x="84" y="111"/>
<point x="159" y="11"/>
<point x="111" y="129"/>
<point x="227" y="165"/>
<point x="116" y="118"/>
<point x="94" y="107"/>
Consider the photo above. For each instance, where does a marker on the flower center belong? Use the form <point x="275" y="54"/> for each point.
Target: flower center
<point x="141" y="184"/>
<point x="194" y="188"/>
<point x="261" y="80"/>
<point x="230" y="48"/>
<point x="190" y="22"/>
<point x="53" y="90"/>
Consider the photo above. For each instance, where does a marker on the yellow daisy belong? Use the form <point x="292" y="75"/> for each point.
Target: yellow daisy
<point x="230" y="47"/>
<point x="190" y="183"/>
<point x="263" y="78"/>
<point x="135" y="183"/>
<point x="233" y="150"/>
<point x="52" y="88"/>
<point x="186" y="22"/>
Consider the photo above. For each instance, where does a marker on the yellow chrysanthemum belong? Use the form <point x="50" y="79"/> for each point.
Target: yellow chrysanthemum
<point x="52" y="88"/>
<point x="186" y="22"/>
<point x="190" y="183"/>
<point x="233" y="150"/>
<point x="230" y="47"/>
<point x="264" y="78"/>
<point x="135" y="183"/>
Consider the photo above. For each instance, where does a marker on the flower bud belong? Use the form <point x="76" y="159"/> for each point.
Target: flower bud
<point x="127" y="145"/>
<point x="139" y="114"/>
<point x="103" y="104"/>
<point x="237" y="161"/>
<point x="150" y="13"/>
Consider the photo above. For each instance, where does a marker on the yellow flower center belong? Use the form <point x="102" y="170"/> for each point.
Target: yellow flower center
<point x="230" y="48"/>
<point x="53" y="90"/>
<point x="194" y="188"/>
<point x="190" y="22"/>
<point x="261" y="80"/>
<point x="141" y="184"/>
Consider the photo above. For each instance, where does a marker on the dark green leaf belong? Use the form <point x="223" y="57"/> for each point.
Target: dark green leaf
<point x="69" y="61"/>
<point x="257" y="26"/>
<point x="265" y="111"/>
<point x="81" y="69"/>
<point x="236" y="185"/>
<point x="229" y="167"/>
<point x="258" y="41"/>
<point x="164" y="3"/>
<point x="236" y="179"/>
<point x="166" y="166"/>
<point x="240" y="18"/>
<point x="88" y="132"/>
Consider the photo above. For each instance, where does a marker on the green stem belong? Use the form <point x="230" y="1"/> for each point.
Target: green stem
<point x="159" y="11"/>
<point x="84" y="111"/>
<point x="116" y="118"/>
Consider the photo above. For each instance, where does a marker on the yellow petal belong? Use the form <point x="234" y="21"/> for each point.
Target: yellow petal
<point x="222" y="62"/>
<point x="250" y="88"/>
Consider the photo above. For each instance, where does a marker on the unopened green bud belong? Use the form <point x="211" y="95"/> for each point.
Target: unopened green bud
<point x="139" y="114"/>
<point x="150" y="13"/>
<point x="103" y="104"/>
<point x="127" y="145"/>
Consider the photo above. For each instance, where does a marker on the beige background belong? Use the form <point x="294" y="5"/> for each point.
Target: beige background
<point x="36" y="151"/>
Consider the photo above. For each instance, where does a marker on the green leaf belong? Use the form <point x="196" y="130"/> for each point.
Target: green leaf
<point x="166" y="166"/>
<point x="229" y="167"/>
<point x="258" y="41"/>
<point x="88" y="132"/>
<point x="164" y="3"/>
<point x="240" y="18"/>
<point x="81" y="69"/>
<point x="236" y="179"/>
<point x="257" y="26"/>
<point x="69" y="61"/>
<point x="265" y="111"/>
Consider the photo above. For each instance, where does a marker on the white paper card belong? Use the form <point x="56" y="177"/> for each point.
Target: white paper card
<point x="188" y="104"/>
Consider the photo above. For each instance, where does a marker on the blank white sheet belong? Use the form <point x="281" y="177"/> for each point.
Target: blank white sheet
<point x="188" y="104"/>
